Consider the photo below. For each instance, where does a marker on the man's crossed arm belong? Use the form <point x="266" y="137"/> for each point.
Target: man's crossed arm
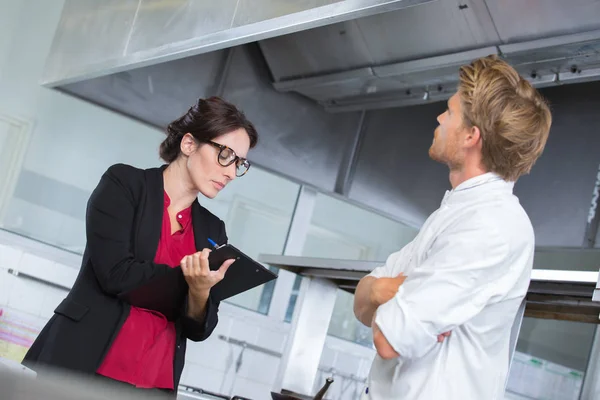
<point x="451" y="286"/>
<point x="370" y="293"/>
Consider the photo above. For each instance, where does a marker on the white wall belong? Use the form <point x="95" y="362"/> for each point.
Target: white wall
<point x="8" y="22"/>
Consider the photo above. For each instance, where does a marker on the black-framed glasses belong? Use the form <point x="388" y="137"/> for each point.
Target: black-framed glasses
<point x="227" y="156"/>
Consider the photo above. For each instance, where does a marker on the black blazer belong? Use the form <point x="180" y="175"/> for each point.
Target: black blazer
<point x="123" y="225"/>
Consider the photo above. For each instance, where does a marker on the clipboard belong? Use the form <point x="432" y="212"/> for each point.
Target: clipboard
<point x="244" y="274"/>
<point x="166" y="293"/>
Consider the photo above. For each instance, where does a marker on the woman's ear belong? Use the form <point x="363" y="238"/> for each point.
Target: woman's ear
<point x="188" y="144"/>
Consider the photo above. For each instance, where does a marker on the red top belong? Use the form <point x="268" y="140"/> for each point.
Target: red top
<point x="144" y="349"/>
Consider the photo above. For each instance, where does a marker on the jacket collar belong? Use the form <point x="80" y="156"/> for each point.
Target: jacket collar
<point x="489" y="183"/>
<point x="479" y="180"/>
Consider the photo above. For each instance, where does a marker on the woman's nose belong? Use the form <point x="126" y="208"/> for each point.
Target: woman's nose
<point x="230" y="171"/>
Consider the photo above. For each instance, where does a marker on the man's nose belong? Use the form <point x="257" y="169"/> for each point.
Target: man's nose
<point x="441" y="117"/>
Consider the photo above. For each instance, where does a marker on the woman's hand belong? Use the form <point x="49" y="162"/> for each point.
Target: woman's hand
<point x="197" y="272"/>
<point x="200" y="280"/>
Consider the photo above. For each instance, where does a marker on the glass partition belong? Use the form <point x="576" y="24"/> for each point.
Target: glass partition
<point x="550" y="360"/>
<point x="341" y="230"/>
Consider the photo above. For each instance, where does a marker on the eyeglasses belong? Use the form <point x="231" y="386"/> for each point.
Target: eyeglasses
<point x="227" y="157"/>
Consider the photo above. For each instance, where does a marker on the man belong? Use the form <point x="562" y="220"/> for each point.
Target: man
<point x="468" y="269"/>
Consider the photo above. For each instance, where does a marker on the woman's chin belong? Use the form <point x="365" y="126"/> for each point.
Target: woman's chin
<point x="209" y="193"/>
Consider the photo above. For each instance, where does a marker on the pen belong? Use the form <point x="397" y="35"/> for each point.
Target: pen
<point x="213" y="243"/>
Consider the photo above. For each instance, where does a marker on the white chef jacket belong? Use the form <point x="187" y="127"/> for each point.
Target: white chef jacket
<point x="467" y="272"/>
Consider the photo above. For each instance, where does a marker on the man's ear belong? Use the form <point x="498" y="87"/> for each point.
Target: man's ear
<point x="473" y="136"/>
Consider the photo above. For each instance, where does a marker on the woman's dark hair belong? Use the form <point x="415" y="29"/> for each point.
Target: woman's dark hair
<point x="206" y="120"/>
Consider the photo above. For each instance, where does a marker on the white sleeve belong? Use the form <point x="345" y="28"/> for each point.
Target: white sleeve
<point x="451" y="286"/>
<point x="392" y="266"/>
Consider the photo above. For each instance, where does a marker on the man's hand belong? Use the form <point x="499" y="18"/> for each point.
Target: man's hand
<point x="384" y="289"/>
<point x="383" y="347"/>
<point x="372" y="292"/>
<point x="443" y="336"/>
<point x="380" y="291"/>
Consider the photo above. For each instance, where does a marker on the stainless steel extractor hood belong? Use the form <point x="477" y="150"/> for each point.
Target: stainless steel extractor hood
<point x="412" y="56"/>
<point x="100" y="38"/>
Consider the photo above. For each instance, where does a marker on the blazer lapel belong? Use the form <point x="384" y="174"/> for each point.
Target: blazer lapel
<point x="150" y="222"/>
<point x="200" y="227"/>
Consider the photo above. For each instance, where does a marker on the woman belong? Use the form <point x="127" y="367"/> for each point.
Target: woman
<point x="139" y="223"/>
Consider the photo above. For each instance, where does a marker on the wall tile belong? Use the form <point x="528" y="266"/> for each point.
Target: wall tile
<point x="212" y="353"/>
<point x="52" y="299"/>
<point x="346" y="363"/>
<point x="202" y="377"/>
<point x="245" y="332"/>
<point x="27" y="296"/>
<point x="9" y="257"/>
<point x="7" y="281"/>
<point x="259" y="367"/>
<point x="47" y="270"/>
<point x="64" y="275"/>
<point x="271" y="340"/>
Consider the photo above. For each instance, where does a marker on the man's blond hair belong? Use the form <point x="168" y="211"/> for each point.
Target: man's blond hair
<point x="512" y="116"/>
